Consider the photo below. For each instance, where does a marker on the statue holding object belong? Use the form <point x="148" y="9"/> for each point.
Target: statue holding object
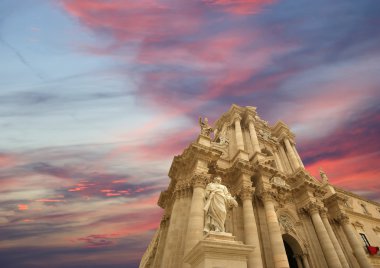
<point x="206" y="129"/>
<point x="218" y="199"/>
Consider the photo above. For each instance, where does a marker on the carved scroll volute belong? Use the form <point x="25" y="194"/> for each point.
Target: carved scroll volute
<point x="246" y="192"/>
<point x="200" y="180"/>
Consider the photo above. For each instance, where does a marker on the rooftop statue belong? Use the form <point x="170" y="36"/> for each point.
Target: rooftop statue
<point x="206" y="129"/>
<point x="218" y="199"/>
<point x="323" y="176"/>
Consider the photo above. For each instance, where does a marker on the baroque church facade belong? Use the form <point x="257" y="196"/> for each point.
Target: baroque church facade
<point x="284" y="218"/>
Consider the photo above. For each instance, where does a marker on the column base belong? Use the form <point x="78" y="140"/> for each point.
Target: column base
<point x="220" y="250"/>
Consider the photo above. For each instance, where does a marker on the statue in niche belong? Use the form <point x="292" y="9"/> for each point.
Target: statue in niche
<point x="206" y="129"/>
<point x="323" y="176"/>
<point x="218" y="199"/>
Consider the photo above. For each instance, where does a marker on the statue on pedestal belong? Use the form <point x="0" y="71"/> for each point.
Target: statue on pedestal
<point x="206" y="129"/>
<point x="218" y="199"/>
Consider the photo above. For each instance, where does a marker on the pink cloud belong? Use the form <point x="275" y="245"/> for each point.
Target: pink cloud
<point x="22" y="207"/>
<point x="46" y="200"/>
<point x="7" y="160"/>
<point x="113" y="194"/>
<point x="351" y="172"/>
<point x="99" y="240"/>
<point x="135" y="20"/>
<point x="240" y="7"/>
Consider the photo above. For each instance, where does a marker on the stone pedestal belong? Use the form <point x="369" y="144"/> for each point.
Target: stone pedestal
<point x="218" y="250"/>
<point x="204" y="140"/>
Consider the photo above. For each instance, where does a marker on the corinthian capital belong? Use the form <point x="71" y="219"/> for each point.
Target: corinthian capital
<point x="312" y="207"/>
<point x="235" y="117"/>
<point x="199" y="180"/>
<point x="249" y="119"/>
<point x="246" y="192"/>
<point x="268" y="195"/>
<point x="343" y="218"/>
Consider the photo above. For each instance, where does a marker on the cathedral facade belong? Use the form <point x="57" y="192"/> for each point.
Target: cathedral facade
<point x="284" y="216"/>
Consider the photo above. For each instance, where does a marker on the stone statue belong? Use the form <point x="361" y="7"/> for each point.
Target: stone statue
<point x="323" y="176"/>
<point x="223" y="140"/>
<point x="218" y="199"/>
<point x="206" y="129"/>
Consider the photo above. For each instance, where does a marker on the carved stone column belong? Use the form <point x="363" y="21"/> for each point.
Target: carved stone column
<point x="250" y="228"/>
<point x="323" y="237"/>
<point x="354" y="242"/>
<point x="334" y="240"/>
<point x="305" y="261"/>
<point x="253" y="134"/>
<point x="196" y="217"/>
<point x="280" y="259"/>
<point x="238" y="133"/>
<point x="291" y="154"/>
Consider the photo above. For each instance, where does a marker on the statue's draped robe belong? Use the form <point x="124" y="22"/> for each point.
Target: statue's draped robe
<point x="217" y="199"/>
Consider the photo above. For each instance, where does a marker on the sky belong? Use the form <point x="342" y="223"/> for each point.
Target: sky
<point x="97" y="97"/>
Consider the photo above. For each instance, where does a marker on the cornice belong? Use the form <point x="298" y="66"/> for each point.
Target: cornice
<point x="184" y="163"/>
<point x="334" y="198"/>
<point x="242" y="166"/>
<point x="302" y="179"/>
<point x="280" y="130"/>
<point x="357" y="214"/>
<point x="265" y="170"/>
<point x="226" y="117"/>
<point x="356" y="196"/>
